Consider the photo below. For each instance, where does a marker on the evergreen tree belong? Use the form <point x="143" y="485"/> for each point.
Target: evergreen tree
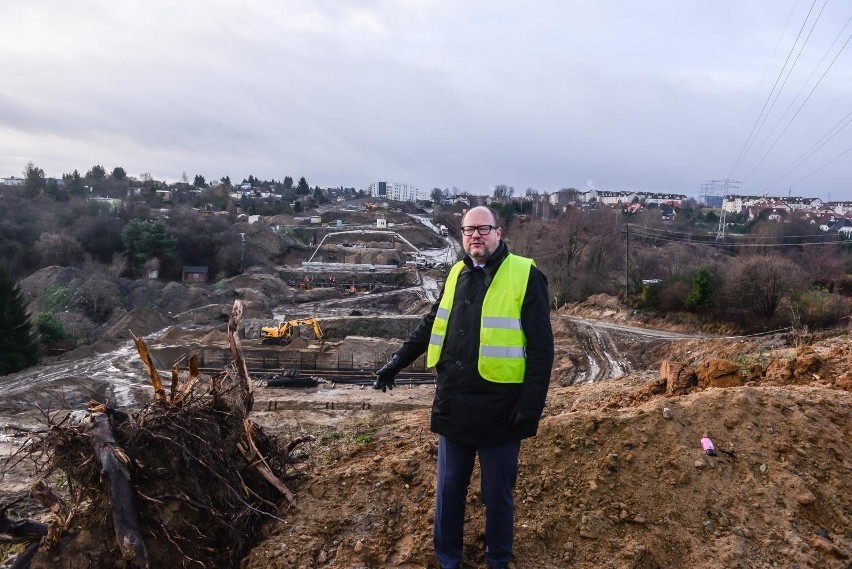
<point x="19" y="346"/>
<point x="146" y="240"/>
<point x="74" y="183"/>
<point x="703" y="292"/>
<point x="96" y="173"/>
<point x="33" y="180"/>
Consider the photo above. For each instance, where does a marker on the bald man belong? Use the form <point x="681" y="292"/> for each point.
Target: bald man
<point x="490" y="340"/>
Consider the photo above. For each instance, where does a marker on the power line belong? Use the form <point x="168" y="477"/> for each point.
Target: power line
<point x="665" y="232"/>
<point x="803" y="102"/>
<point x="755" y="127"/>
<point x="802" y="158"/>
<point x="805" y="83"/>
<point x="763" y="78"/>
<point x="786" y="78"/>
<point x="823" y="166"/>
<point x="703" y="240"/>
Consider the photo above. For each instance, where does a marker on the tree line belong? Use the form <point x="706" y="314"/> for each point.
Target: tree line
<point x="132" y="221"/>
<point x="771" y="275"/>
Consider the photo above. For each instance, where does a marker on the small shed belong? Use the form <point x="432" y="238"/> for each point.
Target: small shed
<point x="194" y="274"/>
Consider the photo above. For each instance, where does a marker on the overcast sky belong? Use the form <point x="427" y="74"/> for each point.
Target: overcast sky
<point x="623" y="95"/>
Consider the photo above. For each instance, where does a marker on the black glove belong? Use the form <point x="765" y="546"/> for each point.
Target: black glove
<point x="385" y="376"/>
<point x="516" y="419"/>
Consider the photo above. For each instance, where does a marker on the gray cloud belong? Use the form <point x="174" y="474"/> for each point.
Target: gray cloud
<point x="658" y="95"/>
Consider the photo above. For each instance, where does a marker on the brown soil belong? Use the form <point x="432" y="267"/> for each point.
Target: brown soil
<point x="599" y="486"/>
<point x="610" y="481"/>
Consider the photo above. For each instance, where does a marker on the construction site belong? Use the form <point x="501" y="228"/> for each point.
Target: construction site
<point x="340" y="315"/>
<point x="334" y="474"/>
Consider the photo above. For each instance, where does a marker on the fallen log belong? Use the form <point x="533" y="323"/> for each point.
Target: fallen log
<point x="114" y="465"/>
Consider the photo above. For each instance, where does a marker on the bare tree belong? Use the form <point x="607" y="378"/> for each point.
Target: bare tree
<point x="119" y="265"/>
<point x="558" y="247"/>
<point x="58" y="249"/>
<point x="757" y="284"/>
<point x="604" y="253"/>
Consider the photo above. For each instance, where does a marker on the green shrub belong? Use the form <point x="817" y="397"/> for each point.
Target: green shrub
<point x="703" y="292"/>
<point x="303" y="234"/>
<point x="50" y="329"/>
<point x="55" y="299"/>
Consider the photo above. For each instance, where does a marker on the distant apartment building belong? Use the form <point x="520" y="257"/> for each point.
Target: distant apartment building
<point x="736" y="204"/>
<point x="673" y="200"/>
<point x="395" y="191"/>
<point x="839" y="208"/>
<point x="613" y="198"/>
<point x="609" y="198"/>
<point x="12" y="181"/>
<point x="739" y="204"/>
<point x="616" y="198"/>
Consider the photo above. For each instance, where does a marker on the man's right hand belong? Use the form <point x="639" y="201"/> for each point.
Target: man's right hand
<point x="385" y="377"/>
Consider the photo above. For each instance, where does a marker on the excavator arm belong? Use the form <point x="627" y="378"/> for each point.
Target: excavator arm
<point x="317" y="331"/>
<point x="283" y="333"/>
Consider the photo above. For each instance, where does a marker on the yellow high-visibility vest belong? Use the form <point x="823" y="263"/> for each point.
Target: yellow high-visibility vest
<point x="502" y="343"/>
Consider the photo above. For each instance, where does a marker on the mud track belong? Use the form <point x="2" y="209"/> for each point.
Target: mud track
<point x="608" y="350"/>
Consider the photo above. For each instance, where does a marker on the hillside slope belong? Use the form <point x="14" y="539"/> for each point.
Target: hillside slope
<point x="608" y="482"/>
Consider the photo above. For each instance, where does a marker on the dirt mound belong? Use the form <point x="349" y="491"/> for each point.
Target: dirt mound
<point x="362" y="351"/>
<point x="254" y="283"/>
<point x="601" y="487"/>
<point x="35" y="285"/>
<point x="142" y="321"/>
<point x="215" y="338"/>
<point x="297" y="344"/>
<point x="177" y="335"/>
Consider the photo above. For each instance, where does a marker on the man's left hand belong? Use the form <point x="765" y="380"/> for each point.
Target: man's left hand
<point x="516" y="419"/>
<point x="385" y="377"/>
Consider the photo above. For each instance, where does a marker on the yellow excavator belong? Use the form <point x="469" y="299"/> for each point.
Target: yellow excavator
<point x="283" y="333"/>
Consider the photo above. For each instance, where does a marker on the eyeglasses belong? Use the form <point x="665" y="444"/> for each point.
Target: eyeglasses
<point x="481" y="229"/>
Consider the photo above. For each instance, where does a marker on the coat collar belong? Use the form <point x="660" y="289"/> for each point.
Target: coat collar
<point x="493" y="261"/>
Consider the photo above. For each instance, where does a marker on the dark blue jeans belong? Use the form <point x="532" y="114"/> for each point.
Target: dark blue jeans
<point x="499" y="469"/>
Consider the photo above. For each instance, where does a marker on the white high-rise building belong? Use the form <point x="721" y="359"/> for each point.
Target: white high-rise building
<point x="395" y="191"/>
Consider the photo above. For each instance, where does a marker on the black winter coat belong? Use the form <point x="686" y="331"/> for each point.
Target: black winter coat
<point x="468" y="408"/>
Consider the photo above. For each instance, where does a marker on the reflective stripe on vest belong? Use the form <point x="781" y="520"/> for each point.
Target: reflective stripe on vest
<point x="502" y="343"/>
<point x="442" y="316"/>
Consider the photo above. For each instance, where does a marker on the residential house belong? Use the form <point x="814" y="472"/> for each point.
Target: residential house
<point x="738" y="204"/>
<point x="192" y="274"/>
<point x="616" y="198"/>
<point x="840" y="208"/>
<point x="799" y="203"/>
<point x="673" y="200"/>
<point x="667" y="211"/>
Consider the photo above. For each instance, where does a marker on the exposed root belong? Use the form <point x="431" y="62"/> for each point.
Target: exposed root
<point x="165" y="486"/>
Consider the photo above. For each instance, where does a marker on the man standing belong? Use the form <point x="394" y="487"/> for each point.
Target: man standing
<point x="490" y="340"/>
